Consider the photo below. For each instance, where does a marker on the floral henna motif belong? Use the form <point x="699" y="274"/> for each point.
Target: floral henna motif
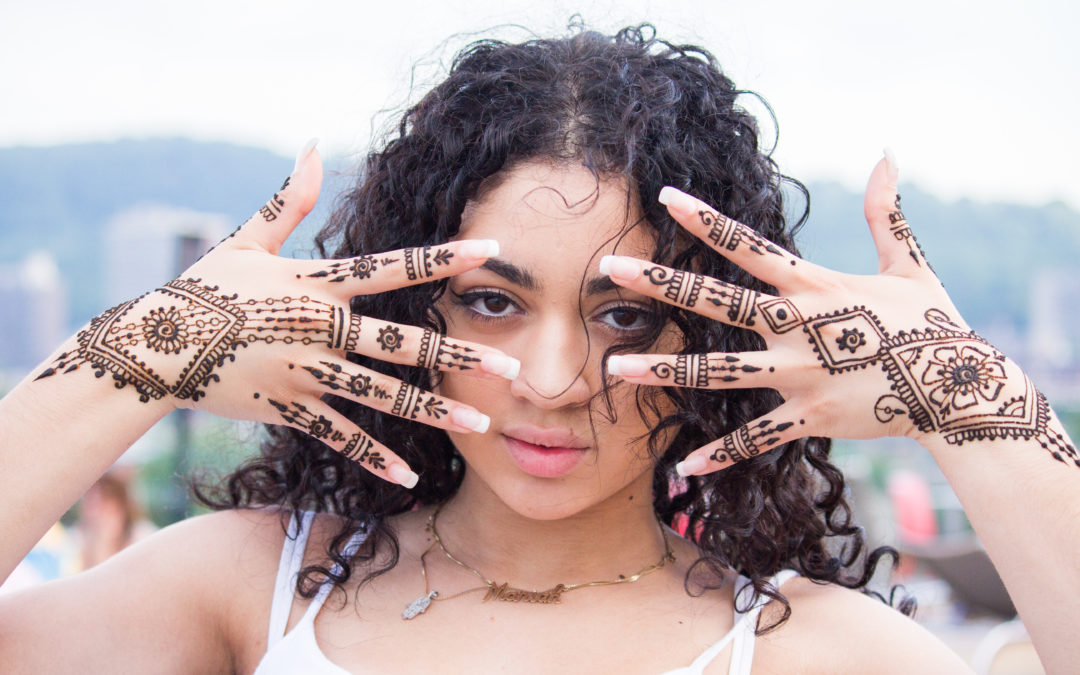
<point x="953" y="382"/>
<point x="174" y="340"/>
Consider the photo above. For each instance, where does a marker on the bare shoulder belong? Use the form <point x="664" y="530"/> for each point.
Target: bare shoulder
<point x="833" y="629"/>
<point x="191" y="590"/>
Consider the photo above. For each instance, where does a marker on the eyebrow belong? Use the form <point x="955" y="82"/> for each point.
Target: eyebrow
<point x="519" y="276"/>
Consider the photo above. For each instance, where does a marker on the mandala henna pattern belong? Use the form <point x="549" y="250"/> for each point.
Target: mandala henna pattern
<point x="174" y="340"/>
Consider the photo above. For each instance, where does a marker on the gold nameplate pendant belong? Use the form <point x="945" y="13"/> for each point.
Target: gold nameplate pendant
<point x="507" y="593"/>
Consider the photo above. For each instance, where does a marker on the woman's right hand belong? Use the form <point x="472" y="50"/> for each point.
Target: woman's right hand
<point x="244" y="333"/>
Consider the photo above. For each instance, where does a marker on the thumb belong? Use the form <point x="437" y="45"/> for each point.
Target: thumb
<point x="272" y="224"/>
<point x="898" y="252"/>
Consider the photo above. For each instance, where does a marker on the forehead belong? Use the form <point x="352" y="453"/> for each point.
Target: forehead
<point x="558" y="211"/>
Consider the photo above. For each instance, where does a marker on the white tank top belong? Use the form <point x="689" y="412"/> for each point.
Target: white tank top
<point x="298" y="652"/>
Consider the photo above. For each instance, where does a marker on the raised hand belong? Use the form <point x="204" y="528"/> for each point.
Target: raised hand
<point x="853" y="356"/>
<point x="246" y="334"/>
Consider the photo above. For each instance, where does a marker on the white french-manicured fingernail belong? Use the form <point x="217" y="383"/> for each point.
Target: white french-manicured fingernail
<point x="627" y="365"/>
<point x="690" y="466"/>
<point x="304" y="152"/>
<point x="402" y="476"/>
<point x="677" y="200"/>
<point x="617" y="267"/>
<point x="504" y="366"/>
<point x="470" y="419"/>
<point x="479" y="249"/>
<point x="893" y="165"/>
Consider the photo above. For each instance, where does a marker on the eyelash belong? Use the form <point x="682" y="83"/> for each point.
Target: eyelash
<point x="468" y="299"/>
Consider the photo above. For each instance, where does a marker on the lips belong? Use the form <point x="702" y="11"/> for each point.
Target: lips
<point x="544" y="453"/>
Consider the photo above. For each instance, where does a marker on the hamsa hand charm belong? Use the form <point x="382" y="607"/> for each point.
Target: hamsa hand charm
<point x="419" y="605"/>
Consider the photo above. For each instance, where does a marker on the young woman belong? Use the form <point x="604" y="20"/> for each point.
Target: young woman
<point x="531" y="351"/>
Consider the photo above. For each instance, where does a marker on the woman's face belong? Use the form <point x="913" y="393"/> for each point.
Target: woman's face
<point x="543" y="301"/>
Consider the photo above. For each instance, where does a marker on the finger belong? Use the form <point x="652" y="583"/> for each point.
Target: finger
<point x="377" y="273"/>
<point x="332" y="428"/>
<point x="272" y="224"/>
<point x="719" y="300"/>
<point x="733" y="240"/>
<point x="748" y="370"/>
<point x="750" y="440"/>
<point x="390" y="395"/>
<point x="422" y="347"/>
<point x="898" y="252"/>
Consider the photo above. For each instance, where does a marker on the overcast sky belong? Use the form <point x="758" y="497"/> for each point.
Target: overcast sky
<point x="978" y="99"/>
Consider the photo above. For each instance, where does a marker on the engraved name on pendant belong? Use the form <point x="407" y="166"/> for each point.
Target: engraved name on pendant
<point x="507" y="593"/>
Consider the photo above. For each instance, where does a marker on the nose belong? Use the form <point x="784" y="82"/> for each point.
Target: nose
<point x="556" y="365"/>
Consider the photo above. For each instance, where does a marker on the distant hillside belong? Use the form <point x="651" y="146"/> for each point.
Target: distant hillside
<point x="59" y="198"/>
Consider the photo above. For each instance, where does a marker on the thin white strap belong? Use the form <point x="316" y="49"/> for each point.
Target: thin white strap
<point x="292" y="555"/>
<point x="350" y="549"/>
<point x="706" y="657"/>
<point x="742" y="649"/>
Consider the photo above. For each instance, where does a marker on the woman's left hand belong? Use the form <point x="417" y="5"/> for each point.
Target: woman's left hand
<point x="853" y="356"/>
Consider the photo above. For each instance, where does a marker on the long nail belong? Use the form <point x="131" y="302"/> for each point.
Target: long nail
<point x="471" y="419"/>
<point x="402" y="476"/>
<point x="892" y="165"/>
<point x="479" y="249"/>
<point x="690" y="466"/>
<point x="629" y="366"/>
<point x="303" y="154"/>
<point x="618" y="267"/>
<point x="497" y="364"/>
<point x="677" y="200"/>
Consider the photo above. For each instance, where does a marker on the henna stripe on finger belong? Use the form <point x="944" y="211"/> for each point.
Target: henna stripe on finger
<point x="420" y="262"/>
<point x="750" y="441"/>
<point x="447" y="354"/>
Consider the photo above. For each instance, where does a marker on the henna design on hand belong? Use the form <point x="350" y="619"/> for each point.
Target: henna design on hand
<point x="681" y="287"/>
<point x="898" y="225"/>
<point x="727" y="233"/>
<point x="781" y="314"/>
<point x="447" y="354"/>
<point x="953" y="382"/>
<point x="858" y="322"/>
<point x="697" y="370"/>
<point x="410" y="401"/>
<point x="418" y="261"/>
<point x="359" y="450"/>
<point x="173" y="340"/>
<point x="298" y="415"/>
<point x="749" y="441"/>
<point x="390" y="338"/>
<point x="359" y="268"/>
<point x="274" y="205"/>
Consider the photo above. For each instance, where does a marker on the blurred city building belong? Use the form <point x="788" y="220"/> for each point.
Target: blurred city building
<point x="33" y="304"/>
<point x="147" y="245"/>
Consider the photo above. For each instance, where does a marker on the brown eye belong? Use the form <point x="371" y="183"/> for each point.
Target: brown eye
<point x="488" y="305"/>
<point x="496" y="304"/>
<point x="626" y="317"/>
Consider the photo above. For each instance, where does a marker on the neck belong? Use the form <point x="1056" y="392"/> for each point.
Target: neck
<point x="617" y="537"/>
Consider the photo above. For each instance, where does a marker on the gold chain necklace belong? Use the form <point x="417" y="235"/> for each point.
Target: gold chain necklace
<point x="505" y="592"/>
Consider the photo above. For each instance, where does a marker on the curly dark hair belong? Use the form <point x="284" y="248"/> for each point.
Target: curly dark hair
<point x="628" y="105"/>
